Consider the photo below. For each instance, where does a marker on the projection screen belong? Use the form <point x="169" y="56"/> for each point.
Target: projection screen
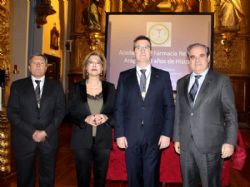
<point x="170" y="35"/>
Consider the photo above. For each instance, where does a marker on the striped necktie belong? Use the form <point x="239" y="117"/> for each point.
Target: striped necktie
<point x="37" y="92"/>
<point x="194" y="88"/>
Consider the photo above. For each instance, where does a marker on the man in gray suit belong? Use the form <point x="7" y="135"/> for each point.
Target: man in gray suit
<point x="206" y="125"/>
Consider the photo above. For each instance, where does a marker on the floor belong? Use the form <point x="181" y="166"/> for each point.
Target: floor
<point x="66" y="176"/>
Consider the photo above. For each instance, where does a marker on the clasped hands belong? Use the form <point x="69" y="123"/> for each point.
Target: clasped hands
<point x="96" y="119"/>
<point x="39" y="135"/>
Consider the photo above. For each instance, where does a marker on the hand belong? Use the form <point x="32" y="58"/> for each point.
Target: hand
<point x="100" y="119"/>
<point x="90" y="119"/>
<point x="164" y="142"/>
<point x="122" y="142"/>
<point x="39" y="136"/>
<point x="177" y="147"/>
<point x="227" y="150"/>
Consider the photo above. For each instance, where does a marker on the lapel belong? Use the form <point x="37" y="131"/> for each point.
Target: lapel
<point x="45" y="91"/>
<point x="152" y="83"/>
<point x="204" y="89"/>
<point x="133" y="83"/>
<point x="83" y="94"/>
<point x="83" y="91"/>
<point x="105" y="95"/>
<point x="31" y="92"/>
<point x="186" y="83"/>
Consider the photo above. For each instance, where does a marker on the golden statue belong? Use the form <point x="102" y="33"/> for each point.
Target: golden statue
<point x="230" y="14"/>
<point x="180" y="5"/>
<point x="93" y="15"/>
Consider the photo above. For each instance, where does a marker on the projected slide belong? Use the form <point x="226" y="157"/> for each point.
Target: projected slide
<point x="170" y="35"/>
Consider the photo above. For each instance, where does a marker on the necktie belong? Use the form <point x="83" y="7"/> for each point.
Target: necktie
<point x="194" y="88"/>
<point x="143" y="80"/>
<point x="37" y="92"/>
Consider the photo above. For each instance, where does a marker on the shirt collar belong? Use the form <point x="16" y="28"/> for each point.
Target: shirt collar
<point x="203" y="74"/>
<point x="147" y="68"/>
<point x="41" y="79"/>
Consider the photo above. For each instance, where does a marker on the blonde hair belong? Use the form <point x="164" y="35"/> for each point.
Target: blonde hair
<point x="86" y="61"/>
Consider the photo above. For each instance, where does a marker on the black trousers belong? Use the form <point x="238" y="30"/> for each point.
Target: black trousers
<point x="201" y="168"/>
<point x="85" y="158"/>
<point x="26" y="168"/>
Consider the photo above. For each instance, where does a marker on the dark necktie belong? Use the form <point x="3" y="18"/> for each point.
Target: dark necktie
<point x="194" y="88"/>
<point x="143" y="80"/>
<point x="37" y="92"/>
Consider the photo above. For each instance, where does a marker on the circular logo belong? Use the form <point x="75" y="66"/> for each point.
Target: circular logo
<point x="159" y="34"/>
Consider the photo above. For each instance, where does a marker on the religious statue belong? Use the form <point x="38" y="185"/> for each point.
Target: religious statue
<point x="93" y="15"/>
<point x="230" y="14"/>
<point x="180" y="5"/>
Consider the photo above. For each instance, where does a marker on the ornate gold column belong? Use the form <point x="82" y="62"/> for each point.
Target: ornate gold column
<point x="5" y="158"/>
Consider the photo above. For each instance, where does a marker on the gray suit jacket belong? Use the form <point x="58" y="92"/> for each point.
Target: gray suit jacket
<point x="212" y="120"/>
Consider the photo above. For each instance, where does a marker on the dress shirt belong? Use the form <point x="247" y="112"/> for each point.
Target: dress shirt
<point x="200" y="80"/>
<point x="42" y="79"/>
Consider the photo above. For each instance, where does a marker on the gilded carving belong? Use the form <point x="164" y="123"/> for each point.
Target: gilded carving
<point x="92" y="15"/>
<point x="4" y="39"/>
<point x="3" y="2"/>
<point x="43" y="9"/>
<point x="140" y="5"/>
<point x="230" y="36"/>
<point x="5" y="166"/>
<point x="181" y="5"/>
<point x="230" y="14"/>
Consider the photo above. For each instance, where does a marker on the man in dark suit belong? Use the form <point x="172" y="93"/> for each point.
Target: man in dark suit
<point x="35" y="110"/>
<point x="144" y="116"/>
<point x="205" y="120"/>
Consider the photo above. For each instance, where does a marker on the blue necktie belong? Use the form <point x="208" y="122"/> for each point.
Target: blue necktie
<point x="194" y="88"/>
<point x="143" y="80"/>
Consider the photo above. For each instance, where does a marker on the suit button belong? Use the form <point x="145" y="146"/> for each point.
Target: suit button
<point x="192" y="114"/>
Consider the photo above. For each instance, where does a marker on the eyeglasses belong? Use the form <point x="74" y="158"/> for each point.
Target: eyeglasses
<point x="94" y="63"/>
<point x="143" y="47"/>
<point x="201" y="56"/>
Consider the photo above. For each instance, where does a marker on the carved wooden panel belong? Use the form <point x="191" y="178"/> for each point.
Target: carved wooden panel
<point x="241" y="87"/>
<point x="237" y="61"/>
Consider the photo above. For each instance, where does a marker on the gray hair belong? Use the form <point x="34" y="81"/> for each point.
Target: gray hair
<point x="191" y="46"/>
<point x="36" y="55"/>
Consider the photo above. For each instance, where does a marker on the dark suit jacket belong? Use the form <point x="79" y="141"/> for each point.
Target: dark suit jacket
<point x="78" y="110"/>
<point x="212" y="121"/>
<point x="155" y="113"/>
<point x="25" y="117"/>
